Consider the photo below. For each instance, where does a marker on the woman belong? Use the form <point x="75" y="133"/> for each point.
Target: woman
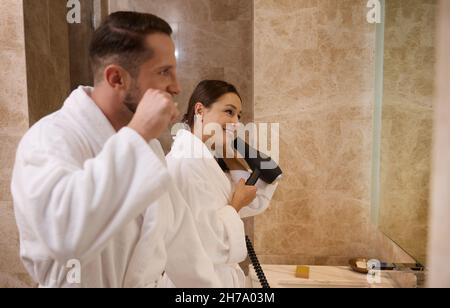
<point x="218" y="199"/>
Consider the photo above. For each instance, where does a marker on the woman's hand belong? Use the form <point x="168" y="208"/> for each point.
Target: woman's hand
<point x="243" y="195"/>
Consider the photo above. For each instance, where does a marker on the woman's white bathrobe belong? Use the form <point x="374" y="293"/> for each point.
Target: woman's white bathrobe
<point x="208" y="191"/>
<point x="84" y="192"/>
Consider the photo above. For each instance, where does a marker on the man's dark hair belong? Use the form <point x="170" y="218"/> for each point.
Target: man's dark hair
<point x="121" y="40"/>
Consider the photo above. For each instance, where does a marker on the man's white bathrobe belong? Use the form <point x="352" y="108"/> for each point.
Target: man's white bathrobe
<point x="209" y="191"/>
<point x="84" y="192"/>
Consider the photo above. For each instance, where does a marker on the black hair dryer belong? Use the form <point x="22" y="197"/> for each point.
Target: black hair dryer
<point x="263" y="167"/>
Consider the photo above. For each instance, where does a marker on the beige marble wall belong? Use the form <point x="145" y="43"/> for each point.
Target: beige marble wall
<point x="439" y="247"/>
<point x="79" y="38"/>
<point x="408" y="122"/>
<point x="47" y="55"/>
<point x="13" y="123"/>
<point x="214" y="41"/>
<point x="314" y="74"/>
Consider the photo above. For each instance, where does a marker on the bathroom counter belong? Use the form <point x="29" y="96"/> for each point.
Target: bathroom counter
<point x="283" y="276"/>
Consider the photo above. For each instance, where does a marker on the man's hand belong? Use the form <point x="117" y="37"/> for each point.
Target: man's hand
<point x="155" y="113"/>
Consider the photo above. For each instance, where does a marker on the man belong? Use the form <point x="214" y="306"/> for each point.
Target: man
<point x="90" y="183"/>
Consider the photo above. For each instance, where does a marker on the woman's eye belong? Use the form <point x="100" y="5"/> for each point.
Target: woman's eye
<point x="230" y="112"/>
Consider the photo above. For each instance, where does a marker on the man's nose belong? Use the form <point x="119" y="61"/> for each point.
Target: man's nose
<point x="175" y="88"/>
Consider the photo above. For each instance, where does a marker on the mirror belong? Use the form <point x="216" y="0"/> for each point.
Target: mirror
<point x="405" y="102"/>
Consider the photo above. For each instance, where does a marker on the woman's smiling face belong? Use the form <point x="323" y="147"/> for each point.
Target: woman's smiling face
<point x="226" y="112"/>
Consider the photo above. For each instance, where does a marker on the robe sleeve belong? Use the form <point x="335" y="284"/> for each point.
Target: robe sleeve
<point x="188" y="264"/>
<point x="220" y="226"/>
<point x="235" y="233"/>
<point x="264" y="194"/>
<point x="75" y="210"/>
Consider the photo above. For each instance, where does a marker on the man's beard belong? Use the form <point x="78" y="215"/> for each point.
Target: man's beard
<point x="133" y="97"/>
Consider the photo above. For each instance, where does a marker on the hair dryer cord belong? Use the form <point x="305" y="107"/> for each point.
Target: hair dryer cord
<point x="256" y="265"/>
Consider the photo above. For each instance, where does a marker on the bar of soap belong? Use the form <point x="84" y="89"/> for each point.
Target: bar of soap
<point x="302" y="272"/>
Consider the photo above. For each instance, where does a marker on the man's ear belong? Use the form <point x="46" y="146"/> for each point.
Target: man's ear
<point x="199" y="108"/>
<point x="116" y="77"/>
